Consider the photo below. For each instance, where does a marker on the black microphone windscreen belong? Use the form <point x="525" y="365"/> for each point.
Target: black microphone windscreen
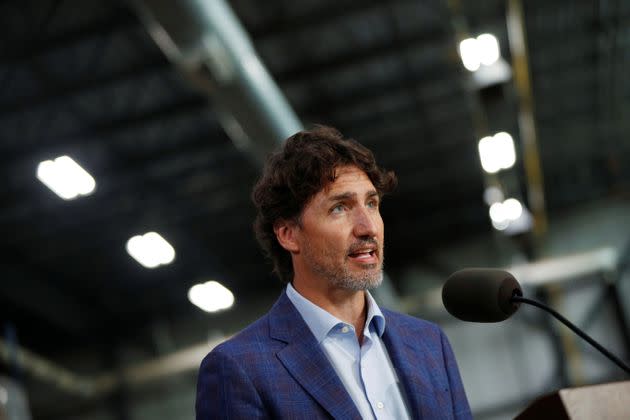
<point x="481" y="294"/>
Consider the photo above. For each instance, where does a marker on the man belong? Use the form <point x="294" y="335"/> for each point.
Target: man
<point x="325" y="349"/>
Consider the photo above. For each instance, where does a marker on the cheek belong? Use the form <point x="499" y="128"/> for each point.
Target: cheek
<point x="326" y="236"/>
<point x="380" y="224"/>
<point x="335" y="241"/>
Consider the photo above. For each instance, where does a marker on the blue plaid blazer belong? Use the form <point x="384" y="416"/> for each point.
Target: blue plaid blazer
<point x="275" y="369"/>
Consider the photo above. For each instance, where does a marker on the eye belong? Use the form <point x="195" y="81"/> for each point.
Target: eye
<point x="338" y="208"/>
<point x="373" y="203"/>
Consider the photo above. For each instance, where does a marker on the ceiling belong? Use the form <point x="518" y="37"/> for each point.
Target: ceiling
<point x="84" y="78"/>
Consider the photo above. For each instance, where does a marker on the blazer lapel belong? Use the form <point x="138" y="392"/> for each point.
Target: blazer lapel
<point x="306" y="361"/>
<point x="411" y="366"/>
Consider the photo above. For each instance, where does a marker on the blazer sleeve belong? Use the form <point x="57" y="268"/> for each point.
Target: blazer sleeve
<point x="461" y="409"/>
<point x="225" y="391"/>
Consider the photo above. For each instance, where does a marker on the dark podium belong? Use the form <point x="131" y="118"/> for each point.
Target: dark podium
<point x="609" y="401"/>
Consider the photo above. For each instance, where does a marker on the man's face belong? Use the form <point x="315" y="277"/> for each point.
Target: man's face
<point x="340" y="236"/>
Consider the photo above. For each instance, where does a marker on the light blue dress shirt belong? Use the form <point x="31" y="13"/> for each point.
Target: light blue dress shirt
<point x="365" y="370"/>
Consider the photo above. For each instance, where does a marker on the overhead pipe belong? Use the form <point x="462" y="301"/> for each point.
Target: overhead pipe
<point x="205" y="39"/>
<point x="86" y="386"/>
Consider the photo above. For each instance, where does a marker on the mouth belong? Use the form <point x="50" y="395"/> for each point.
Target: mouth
<point x="368" y="255"/>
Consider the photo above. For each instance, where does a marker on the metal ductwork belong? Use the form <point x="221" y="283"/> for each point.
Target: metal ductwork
<point x="93" y="386"/>
<point x="205" y="39"/>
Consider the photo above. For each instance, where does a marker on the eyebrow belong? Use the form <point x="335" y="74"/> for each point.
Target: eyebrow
<point x="350" y="195"/>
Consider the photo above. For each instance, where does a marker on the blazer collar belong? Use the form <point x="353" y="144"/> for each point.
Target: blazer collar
<point x="413" y="360"/>
<point x="306" y="361"/>
<point x="403" y="360"/>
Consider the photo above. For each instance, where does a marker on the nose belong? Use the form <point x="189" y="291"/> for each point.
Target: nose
<point x="365" y="222"/>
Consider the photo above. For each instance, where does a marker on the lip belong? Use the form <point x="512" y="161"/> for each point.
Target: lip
<point x="362" y="250"/>
<point x="365" y="256"/>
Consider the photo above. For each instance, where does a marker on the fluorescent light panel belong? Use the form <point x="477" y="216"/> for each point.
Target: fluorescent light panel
<point x="494" y="74"/>
<point x="65" y="177"/>
<point x="497" y="152"/>
<point x="483" y="50"/>
<point x="468" y="51"/>
<point x="211" y="296"/>
<point x="488" y="49"/>
<point x="151" y="250"/>
<point x="505" y="213"/>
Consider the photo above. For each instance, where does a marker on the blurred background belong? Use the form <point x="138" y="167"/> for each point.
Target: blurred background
<point x="131" y="133"/>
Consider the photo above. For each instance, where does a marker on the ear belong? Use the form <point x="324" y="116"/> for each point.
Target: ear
<point x="287" y="235"/>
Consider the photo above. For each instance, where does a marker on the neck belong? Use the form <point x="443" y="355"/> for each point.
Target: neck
<point x="348" y="305"/>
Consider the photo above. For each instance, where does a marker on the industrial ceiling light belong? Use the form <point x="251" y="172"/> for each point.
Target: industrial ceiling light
<point x="512" y="208"/>
<point x="510" y="216"/>
<point x="488" y="47"/>
<point x="483" y="50"/>
<point x="498" y="216"/>
<point x="468" y="51"/>
<point x="150" y="250"/>
<point x="65" y="177"/>
<point x="497" y="152"/>
<point x="211" y="296"/>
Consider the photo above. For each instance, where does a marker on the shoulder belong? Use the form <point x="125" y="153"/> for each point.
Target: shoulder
<point x="262" y="338"/>
<point x="246" y="343"/>
<point x="408" y="321"/>
<point x="227" y="380"/>
<point x="411" y="326"/>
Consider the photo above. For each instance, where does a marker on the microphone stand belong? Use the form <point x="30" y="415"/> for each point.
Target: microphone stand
<point x="575" y="329"/>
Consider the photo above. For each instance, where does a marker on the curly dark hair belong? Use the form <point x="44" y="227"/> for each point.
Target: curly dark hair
<point x="293" y="175"/>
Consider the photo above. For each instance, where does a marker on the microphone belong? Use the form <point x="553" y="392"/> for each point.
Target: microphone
<point x="481" y="295"/>
<point x="492" y="295"/>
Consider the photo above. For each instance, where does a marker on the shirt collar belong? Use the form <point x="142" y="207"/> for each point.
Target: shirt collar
<point x="320" y="322"/>
<point x="374" y="315"/>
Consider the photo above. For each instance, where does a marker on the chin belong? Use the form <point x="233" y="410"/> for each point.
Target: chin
<point x="365" y="280"/>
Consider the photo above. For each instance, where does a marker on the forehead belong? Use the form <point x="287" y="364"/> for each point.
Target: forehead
<point x="349" y="178"/>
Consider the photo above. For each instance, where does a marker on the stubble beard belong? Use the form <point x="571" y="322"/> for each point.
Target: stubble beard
<point x="367" y="279"/>
<point x="340" y="276"/>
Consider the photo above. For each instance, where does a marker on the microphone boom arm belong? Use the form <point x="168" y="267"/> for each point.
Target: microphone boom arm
<point x="575" y="329"/>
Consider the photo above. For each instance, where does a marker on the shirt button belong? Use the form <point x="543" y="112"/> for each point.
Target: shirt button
<point x="380" y="405"/>
<point x="345" y="329"/>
